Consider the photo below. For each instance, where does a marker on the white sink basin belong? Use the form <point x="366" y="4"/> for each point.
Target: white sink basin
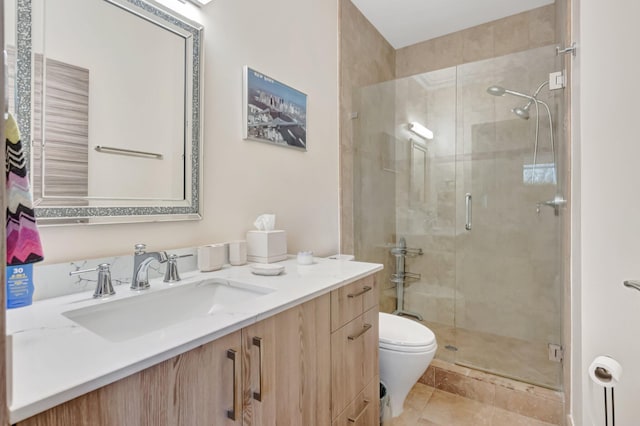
<point x="141" y="314"/>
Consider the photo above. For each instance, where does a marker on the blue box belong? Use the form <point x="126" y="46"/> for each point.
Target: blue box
<point x="19" y="285"/>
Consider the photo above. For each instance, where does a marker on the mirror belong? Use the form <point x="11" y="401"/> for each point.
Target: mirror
<point x="108" y="93"/>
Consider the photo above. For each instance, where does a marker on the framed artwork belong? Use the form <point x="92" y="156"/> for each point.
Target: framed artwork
<point x="273" y="112"/>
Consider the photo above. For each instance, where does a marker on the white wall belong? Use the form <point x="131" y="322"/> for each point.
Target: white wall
<point x="294" y="41"/>
<point x="609" y="202"/>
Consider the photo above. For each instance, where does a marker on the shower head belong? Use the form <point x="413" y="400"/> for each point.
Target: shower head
<point x="501" y="91"/>
<point x="522" y="112"/>
<point x="495" y="90"/>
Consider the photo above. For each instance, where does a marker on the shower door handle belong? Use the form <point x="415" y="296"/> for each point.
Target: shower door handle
<point x="467" y="203"/>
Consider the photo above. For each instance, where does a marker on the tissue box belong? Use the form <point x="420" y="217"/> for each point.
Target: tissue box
<point x="266" y="246"/>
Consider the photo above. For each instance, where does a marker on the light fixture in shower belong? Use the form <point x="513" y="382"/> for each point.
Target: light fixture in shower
<point x="420" y="130"/>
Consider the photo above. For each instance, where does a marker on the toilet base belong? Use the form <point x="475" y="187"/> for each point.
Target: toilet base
<point x="399" y="371"/>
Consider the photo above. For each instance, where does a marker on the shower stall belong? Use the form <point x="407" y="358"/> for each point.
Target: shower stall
<point x="482" y="196"/>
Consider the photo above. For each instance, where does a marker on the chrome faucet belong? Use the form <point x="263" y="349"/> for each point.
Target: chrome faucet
<point x="104" y="288"/>
<point x="141" y="262"/>
<point x="171" y="274"/>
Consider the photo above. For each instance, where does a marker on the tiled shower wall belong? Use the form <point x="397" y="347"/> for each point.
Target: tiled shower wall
<point x="502" y="279"/>
<point x="425" y="190"/>
<point x="510" y="261"/>
<point x="527" y="30"/>
<point x="366" y="59"/>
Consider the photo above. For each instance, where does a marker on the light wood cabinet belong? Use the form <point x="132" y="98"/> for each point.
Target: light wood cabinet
<point x="354" y="353"/>
<point x="352" y="300"/>
<point x="289" y="369"/>
<point x="179" y="391"/>
<point x="286" y="364"/>
<point x="278" y="370"/>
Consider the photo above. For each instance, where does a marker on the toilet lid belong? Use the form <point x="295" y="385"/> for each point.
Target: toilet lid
<point x="404" y="334"/>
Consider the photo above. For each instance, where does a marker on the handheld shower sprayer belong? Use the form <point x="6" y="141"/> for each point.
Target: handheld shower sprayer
<point x="523" y="112"/>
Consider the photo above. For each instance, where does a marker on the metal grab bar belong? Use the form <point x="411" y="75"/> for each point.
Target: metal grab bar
<point x="632" y="284"/>
<point x="467" y="202"/>
<point x="132" y="152"/>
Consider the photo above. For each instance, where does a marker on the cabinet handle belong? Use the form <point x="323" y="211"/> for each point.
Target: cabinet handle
<point x="257" y="341"/>
<point x="231" y="354"/>
<point x="356" y="418"/>
<point x="360" y="333"/>
<point x="360" y="293"/>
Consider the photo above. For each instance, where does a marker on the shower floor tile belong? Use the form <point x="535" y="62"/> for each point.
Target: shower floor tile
<point x="505" y="356"/>
<point x="426" y="406"/>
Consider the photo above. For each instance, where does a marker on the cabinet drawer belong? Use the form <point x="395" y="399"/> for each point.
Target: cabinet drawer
<point x="354" y="359"/>
<point x="352" y="300"/>
<point x="364" y="410"/>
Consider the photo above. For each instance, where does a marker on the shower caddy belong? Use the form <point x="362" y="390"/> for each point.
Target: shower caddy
<point x="401" y="252"/>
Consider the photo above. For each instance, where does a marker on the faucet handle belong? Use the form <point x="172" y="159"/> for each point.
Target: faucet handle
<point x="171" y="274"/>
<point x="104" y="288"/>
<point x="140" y="248"/>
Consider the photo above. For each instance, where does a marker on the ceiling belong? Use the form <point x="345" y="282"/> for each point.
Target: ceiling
<point x="406" y="22"/>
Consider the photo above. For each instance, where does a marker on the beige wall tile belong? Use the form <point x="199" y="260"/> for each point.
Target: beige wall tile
<point x="447" y="50"/>
<point x="357" y="35"/>
<point x="488" y="262"/>
<point x="478" y="43"/>
<point x="542" y="26"/>
<point x="512" y="34"/>
<point x="415" y="59"/>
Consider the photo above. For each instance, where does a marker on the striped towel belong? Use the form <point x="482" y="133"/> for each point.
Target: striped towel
<point x="23" y="240"/>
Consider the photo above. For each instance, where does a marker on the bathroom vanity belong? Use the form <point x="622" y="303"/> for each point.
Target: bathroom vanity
<point x="303" y="351"/>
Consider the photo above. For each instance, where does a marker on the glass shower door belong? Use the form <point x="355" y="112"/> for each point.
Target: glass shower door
<point x="508" y="272"/>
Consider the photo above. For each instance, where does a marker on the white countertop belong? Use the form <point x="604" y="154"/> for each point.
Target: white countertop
<point x="55" y="360"/>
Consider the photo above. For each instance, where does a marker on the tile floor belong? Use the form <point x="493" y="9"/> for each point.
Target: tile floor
<point x="427" y="406"/>
<point x="519" y="359"/>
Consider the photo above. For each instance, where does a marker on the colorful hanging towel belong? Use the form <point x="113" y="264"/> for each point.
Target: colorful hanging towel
<point x="23" y="239"/>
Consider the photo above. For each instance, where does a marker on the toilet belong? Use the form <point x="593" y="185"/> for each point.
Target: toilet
<point x="406" y="349"/>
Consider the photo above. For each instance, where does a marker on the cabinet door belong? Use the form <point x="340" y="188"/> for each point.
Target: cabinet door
<point x="195" y="388"/>
<point x="354" y="358"/>
<point x="286" y="363"/>
<point x="205" y="384"/>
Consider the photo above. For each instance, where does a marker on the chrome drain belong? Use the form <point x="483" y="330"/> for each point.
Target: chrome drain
<point x="451" y="348"/>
